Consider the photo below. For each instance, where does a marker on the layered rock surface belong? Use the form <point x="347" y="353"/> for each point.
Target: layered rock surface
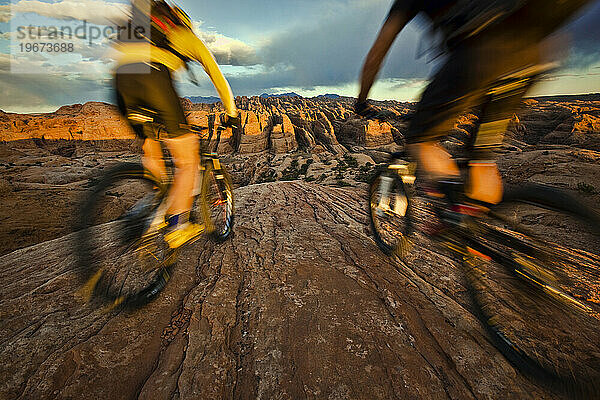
<point x="299" y="304"/>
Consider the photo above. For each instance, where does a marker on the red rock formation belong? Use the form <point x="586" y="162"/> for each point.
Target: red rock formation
<point x="283" y="137"/>
<point x="314" y="124"/>
<point x="92" y="121"/>
<point x="360" y="131"/>
<point x="573" y="122"/>
<point x="254" y="139"/>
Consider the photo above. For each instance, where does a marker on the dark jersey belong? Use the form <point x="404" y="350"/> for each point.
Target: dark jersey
<point x="458" y="20"/>
<point x="431" y="8"/>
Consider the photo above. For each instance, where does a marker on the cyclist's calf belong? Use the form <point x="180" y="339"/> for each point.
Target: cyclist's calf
<point x="185" y="152"/>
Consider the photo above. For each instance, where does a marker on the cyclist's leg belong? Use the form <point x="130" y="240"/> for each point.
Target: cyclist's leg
<point x="182" y="144"/>
<point x="509" y="48"/>
<point x="153" y="158"/>
<point x="184" y="147"/>
<point x="451" y="93"/>
<point x="507" y="58"/>
<point x="184" y="150"/>
<point x="485" y="182"/>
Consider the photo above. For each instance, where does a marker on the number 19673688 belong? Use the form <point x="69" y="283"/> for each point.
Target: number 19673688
<point x="46" y="47"/>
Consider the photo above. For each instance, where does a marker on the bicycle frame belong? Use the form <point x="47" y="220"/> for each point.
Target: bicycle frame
<point x="463" y="241"/>
<point x="205" y="157"/>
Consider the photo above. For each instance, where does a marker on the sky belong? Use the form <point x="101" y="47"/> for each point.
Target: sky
<point x="263" y="46"/>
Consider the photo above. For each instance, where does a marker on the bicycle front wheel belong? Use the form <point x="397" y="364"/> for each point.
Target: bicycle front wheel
<point x="535" y="276"/>
<point x="122" y="256"/>
<point x="388" y="211"/>
<point x="216" y="202"/>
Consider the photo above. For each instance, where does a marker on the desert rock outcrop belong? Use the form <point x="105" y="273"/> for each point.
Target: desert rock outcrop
<point x="300" y="304"/>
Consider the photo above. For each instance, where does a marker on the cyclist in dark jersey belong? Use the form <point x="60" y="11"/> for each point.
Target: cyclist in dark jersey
<point x="493" y="57"/>
<point x="143" y="79"/>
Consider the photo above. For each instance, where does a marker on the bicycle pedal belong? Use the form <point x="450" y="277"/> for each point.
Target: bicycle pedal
<point x="118" y="301"/>
<point x="87" y="290"/>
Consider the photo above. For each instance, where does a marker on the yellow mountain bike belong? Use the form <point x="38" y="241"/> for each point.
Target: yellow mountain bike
<point x="123" y="257"/>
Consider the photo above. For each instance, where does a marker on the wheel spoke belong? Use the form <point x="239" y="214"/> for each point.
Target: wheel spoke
<point x="116" y="237"/>
<point x="539" y="291"/>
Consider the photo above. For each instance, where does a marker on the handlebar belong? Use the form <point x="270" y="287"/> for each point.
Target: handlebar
<point x="205" y="142"/>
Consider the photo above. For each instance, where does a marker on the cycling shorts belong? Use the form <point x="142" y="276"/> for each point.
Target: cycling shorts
<point x="155" y="91"/>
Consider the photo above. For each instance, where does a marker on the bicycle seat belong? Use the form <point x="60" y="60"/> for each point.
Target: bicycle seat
<point x="141" y="114"/>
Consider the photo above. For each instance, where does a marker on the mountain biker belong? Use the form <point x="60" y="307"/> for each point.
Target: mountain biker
<point x="143" y="78"/>
<point x="493" y="54"/>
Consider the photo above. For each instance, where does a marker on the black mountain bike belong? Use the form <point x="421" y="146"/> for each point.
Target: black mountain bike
<point x="532" y="267"/>
<point x="123" y="257"/>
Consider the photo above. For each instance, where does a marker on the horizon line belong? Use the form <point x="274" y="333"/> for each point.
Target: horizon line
<point x="290" y="94"/>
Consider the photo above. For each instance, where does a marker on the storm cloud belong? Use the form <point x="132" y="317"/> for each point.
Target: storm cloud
<point x="288" y="46"/>
<point x="331" y="51"/>
<point x="584" y="32"/>
<point x="94" y="11"/>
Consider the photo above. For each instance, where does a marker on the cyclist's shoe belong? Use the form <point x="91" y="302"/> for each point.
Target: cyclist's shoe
<point x="445" y="195"/>
<point x="183" y="233"/>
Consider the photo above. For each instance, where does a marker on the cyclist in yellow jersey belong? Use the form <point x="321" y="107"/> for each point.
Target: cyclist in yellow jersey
<point x="165" y="42"/>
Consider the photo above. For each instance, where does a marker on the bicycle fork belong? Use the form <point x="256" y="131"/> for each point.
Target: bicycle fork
<point x="399" y="204"/>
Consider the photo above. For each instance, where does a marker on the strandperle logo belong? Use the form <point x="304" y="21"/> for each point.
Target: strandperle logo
<point x="85" y="31"/>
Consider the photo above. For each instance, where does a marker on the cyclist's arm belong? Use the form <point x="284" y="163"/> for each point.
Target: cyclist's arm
<point x="395" y="22"/>
<point x="189" y="45"/>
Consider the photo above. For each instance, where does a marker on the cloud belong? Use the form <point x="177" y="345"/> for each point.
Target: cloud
<point x="94" y="11"/>
<point x="226" y="50"/>
<point x="5" y="14"/>
<point x="34" y="93"/>
<point x="584" y="32"/>
<point x="229" y="51"/>
<point x="326" y="50"/>
<point x="330" y="51"/>
<point x="4" y="62"/>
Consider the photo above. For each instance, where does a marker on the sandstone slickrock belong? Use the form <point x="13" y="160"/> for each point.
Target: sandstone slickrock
<point x="299" y="304"/>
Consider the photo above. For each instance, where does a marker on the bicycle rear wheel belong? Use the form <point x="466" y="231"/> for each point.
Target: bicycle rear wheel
<point x="534" y="270"/>
<point x="216" y="202"/>
<point x="122" y="256"/>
